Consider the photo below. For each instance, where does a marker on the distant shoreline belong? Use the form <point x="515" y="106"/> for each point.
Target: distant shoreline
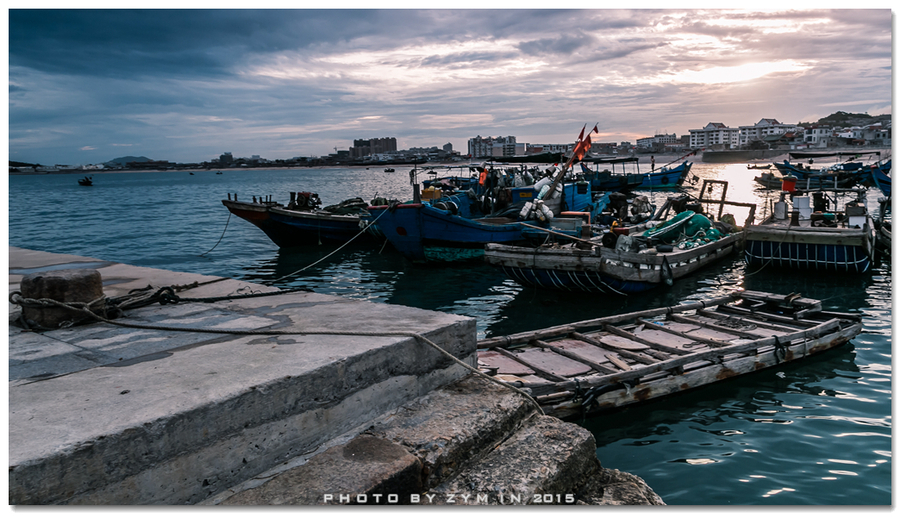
<point x="660" y="160"/>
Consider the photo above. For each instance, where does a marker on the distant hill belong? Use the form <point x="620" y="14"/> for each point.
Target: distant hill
<point x="125" y="159"/>
<point x="13" y="163"/>
<point x="851" y="119"/>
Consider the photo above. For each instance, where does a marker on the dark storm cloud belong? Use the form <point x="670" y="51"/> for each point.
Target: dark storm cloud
<point x="182" y="84"/>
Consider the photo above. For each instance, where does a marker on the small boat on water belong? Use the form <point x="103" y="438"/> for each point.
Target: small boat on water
<point x="628" y="259"/>
<point x="759" y="166"/>
<point x="609" y="180"/>
<point x="87" y="181"/>
<point x="388" y="169"/>
<point x="301" y="222"/>
<point x="598" y="365"/>
<point x="827" y="236"/>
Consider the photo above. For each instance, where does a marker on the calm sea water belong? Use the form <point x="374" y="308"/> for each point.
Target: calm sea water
<point x="814" y="432"/>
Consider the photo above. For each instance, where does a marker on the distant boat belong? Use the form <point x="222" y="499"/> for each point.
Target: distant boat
<point x="192" y="174"/>
<point x="759" y="166"/>
<point x="87" y="181"/>
<point x="217" y="172"/>
<point x="388" y="170"/>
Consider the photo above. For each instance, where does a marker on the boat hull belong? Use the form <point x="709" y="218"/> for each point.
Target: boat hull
<point x="604" y="270"/>
<point x="258" y="214"/>
<point x="313" y="227"/>
<point x="823" y="249"/>
<point x="288" y="228"/>
<point x="423" y="233"/>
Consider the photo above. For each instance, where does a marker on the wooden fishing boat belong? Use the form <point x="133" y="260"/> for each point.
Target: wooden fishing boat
<point x="451" y="225"/>
<point x="301" y="222"/>
<point x="642" y="257"/>
<point x="598" y="365"/>
<point x="660" y="178"/>
<point x="823" y="237"/>
<point x="759" y="166"/>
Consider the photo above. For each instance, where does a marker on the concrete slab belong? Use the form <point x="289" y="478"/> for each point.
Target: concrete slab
<point x="170" y="417"/>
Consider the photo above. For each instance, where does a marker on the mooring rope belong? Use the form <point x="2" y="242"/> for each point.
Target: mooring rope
<point x="84" y="308"/>
<point x="220" y="237"/>
<point x="361" y="232"/>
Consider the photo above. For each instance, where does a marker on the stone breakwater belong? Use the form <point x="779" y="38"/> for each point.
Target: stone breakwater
<point x="102" y="414"/>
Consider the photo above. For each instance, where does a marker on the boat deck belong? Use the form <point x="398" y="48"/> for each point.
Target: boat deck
<point x="614" y="361"/>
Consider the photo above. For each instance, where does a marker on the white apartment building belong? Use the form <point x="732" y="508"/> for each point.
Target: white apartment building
<point x="765" y="128"/>
<point x="818" y="136"/>
<point x="715" y="134"/>
<point x="485" y="146"/>
<point x="664" y="139"/>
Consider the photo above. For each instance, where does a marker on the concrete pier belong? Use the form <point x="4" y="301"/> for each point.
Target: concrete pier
<point x="101" y="414"/>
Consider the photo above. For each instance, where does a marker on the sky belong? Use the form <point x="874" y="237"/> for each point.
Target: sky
<point x="87" y="86"/>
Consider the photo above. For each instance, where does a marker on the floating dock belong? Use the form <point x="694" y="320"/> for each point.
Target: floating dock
<point x="338" y="402"/>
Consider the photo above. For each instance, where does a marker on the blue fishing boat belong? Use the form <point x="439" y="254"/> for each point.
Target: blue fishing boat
<point x="456" y="227"/>
<point x="880" y="177"/>
<point x="610" y="180"/>
<point x="823" y="237"/>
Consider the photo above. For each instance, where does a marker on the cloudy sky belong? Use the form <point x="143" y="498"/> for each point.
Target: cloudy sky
<point x="86" y="86"/>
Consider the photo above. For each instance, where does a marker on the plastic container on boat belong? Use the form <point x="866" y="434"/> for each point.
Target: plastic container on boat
<point x="780" y="210"/>
<point x="789" y="183"/>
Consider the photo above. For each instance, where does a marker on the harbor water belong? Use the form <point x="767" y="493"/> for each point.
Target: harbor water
<point x="814" y="432"/>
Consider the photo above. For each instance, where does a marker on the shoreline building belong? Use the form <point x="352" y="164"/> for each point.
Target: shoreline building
<point x="483" y="147"/>
<point x="715" y="135"/>
<point x="373" y="146"/>
<point x="657" y="142"/>
<point x="765" y="128"/>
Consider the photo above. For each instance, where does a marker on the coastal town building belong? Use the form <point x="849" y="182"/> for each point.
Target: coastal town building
<point x="492" y="146"/>
<point x="818" y="136"/>
<point x="373" y="146"/>
<point x="715" y="135"/>
<point x="763" y="129"/>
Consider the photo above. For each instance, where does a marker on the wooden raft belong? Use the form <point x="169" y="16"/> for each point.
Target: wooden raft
<point x="601" y="364"/>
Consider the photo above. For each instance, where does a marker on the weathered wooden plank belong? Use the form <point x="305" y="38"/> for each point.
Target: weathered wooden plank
<point x="615" y="341"/>
<point x="503" y="364"/>
<point x="768" y="316"/>
<point x="638" y="357"/>
<point x="669" y="339"/>
<point x="711" y="374"/>
<point x="550" y="362"/>
<point x="713" y="324"/>
<point x="759" y="323"/>
<point x="549" y="332"/>
<point x="794" y="300"/>
<point x="582" y="354"/>
<point x="655" y="345"/>
<point x="692" y="336"/>
<point x="537" y="370"/>
<point x="828" y="331"/>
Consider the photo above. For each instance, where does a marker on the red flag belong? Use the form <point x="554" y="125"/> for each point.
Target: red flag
<point x="581" y="135"/>
<point x="582" y="147"/>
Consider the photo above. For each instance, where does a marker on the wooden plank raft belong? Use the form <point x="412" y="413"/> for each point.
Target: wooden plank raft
<point x="601" y="364"/>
